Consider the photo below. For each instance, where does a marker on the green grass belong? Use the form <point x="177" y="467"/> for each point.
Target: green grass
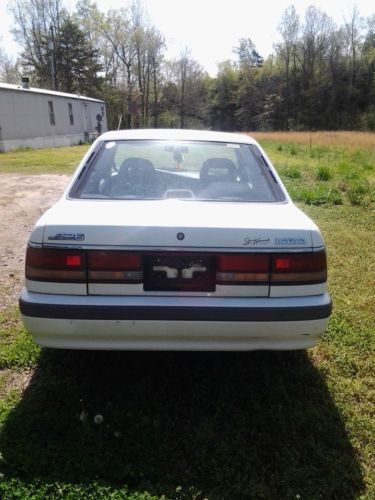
<point x="17" y="347"/>
<point x="325" y="175"/>
<point x="213" y="425"/>
<point x="42" y="161"/>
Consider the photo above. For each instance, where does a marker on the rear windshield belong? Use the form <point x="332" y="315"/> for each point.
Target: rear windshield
<point x="205" y="171"/>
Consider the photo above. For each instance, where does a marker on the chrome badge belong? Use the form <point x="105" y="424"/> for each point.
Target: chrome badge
<point x="67" y="237"/>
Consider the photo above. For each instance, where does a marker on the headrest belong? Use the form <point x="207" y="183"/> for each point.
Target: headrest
<point x="218" y="170"/>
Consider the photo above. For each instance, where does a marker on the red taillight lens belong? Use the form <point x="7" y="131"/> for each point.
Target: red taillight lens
<point x="114" y="266"/>
<point x="273" y="269"/>
<point x="243" y="269"/>
<point x="47" y="264"/>
<point x="292" y="268"/>
<point x="73" y="260"/>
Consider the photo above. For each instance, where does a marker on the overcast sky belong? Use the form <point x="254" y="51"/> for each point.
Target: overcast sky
<point x="212" y="28"/>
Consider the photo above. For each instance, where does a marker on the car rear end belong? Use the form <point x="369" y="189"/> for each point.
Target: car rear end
<point x="188" y="269"/>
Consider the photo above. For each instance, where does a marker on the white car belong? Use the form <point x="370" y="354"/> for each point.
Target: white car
<point x="175" y="240"/>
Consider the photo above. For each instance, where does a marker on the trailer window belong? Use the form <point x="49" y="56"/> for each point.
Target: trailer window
<point x="71" y="117"/>
<point x="51" y="113"/>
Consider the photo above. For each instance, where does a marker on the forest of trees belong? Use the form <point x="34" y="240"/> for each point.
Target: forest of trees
<point x="320" y="76"/>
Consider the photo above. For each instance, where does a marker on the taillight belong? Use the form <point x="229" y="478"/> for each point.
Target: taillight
<point x="116" y="266"/>
<point x="273" y="269"/>
<point x="112" y="266"/>
<point x="299" y="268"/>
<point x="44" y="264"/>
<point x="243" y="269"/>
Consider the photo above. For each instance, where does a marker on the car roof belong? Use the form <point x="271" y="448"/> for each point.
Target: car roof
<point x="176" y="135"/>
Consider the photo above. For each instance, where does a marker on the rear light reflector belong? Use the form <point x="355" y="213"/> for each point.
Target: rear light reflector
<point x="299" y="268"/>
<point x="114" y="266"/>
<point x="45" y="264"/>
<point x="243" y="269"/>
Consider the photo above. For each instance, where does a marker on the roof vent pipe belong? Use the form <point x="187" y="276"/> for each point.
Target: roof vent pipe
<point x="25" y="82"/>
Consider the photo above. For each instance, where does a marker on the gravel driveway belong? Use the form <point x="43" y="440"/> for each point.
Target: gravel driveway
<point x="23" y="198"/>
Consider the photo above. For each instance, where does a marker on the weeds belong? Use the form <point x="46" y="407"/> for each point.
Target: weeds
<point x="357" y="192"/>
<point x="324" y="174"/>
<point x="317" y="195"/>
<point x="292" y="173"/>
<point x="348" y="174"/>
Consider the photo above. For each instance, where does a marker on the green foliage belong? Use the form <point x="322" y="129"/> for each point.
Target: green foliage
<point x="17" y="349"/>
<point x="223" y="97"/>
<point x="347" y="174"/>
<point x="324" y="174"/>
<point x="76" y="62"/>
<point x="37" y="490"/>
<point x="317" y="195"/>
<point x="292" y="172"/>
<point x="357" y="192"/>
<point x="248" y="56"/>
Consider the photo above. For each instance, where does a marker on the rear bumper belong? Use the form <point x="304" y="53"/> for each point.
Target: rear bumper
<point x="174" y="323"/>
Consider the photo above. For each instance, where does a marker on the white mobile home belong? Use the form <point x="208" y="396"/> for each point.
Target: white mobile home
<point x="38" y="118"/>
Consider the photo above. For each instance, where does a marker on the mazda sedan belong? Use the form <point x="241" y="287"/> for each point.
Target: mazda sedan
<point x="175" y="240"/>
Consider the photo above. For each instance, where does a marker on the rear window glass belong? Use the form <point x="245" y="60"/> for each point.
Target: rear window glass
<point x="205" y="171"/>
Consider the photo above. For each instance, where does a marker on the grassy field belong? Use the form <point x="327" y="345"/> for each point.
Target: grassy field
<point x="215" y="425"/>
<point x="42" y="161"/>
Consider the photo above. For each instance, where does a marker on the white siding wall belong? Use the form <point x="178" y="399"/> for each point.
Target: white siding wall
<point x="25" y="120"/>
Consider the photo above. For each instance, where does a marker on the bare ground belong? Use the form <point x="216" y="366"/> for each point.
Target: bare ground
<point x="23" y="199"/>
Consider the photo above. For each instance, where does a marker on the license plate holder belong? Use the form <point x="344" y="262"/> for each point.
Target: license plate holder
<point x="187" y="272"/>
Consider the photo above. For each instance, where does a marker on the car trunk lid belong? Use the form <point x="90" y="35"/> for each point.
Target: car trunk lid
<point x="175" y="224"/>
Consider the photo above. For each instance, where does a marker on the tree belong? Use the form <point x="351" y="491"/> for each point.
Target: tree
<point x="223" y="97"/>
<point x="352" y="35"/>
<point x="10" y="72"/>
<point x="247" y="54"/>
<point x="287" y="50"/>
<point x="36" y="25"/>
<point x="192" y="90"/>
<point x="77" y="65"/>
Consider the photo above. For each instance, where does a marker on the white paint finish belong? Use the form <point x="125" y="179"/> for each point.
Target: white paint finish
<point x="178" y="213"/>
<point x="175" y="335"/>
<point x="177" y="135"/>
<point x="155" y="223"/>
<point x="48" y="287"/>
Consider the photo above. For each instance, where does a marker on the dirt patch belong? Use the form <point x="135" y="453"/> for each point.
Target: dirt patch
<point x="14" y="380"/>
<point x="23" y="200"/>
